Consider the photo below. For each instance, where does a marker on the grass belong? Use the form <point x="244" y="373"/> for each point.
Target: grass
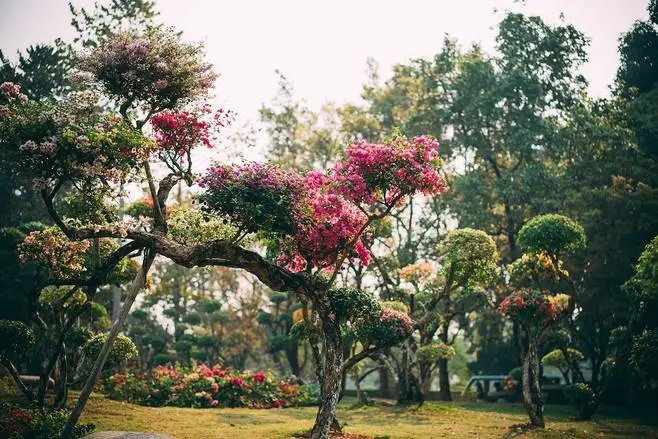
<point x="433" y="420"/>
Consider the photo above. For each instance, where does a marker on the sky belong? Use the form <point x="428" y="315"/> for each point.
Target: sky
<point x="322" y="47"/>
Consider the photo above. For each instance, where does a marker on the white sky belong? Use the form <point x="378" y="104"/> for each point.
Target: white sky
<point x="322" y="46"/>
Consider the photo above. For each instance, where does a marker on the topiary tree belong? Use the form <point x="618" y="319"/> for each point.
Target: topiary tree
<point x="535" y="311"/>
<point x="564" y="363"/>
<point x="16" y="338"/>
<point x="312" y="223"/>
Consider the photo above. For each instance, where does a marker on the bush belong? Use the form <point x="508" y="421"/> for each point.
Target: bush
<point x="204" y="387"/>
<point x="583" y="398"/>
<point x="122" y="350"/>
<point x="27" y="423"/>
<point x="15" y="337"/>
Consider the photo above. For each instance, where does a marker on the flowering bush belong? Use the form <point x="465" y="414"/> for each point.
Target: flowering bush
<point x="72" y="139"/>
<point x="29" y="423"/>
<point x="52" y="248"/>
<point x="415" y="273"/>
<point x="204" y="387"/>
<point x="256" y="197"/>
<point x="528" y="306"/>
<point x="388" y="329"/>
<point x="315" y="217"/>
<point x="379" y="172"/>
<point x="153" y="70"/>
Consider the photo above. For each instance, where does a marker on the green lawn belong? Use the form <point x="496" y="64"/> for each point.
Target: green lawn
<point x="433" y="420"/>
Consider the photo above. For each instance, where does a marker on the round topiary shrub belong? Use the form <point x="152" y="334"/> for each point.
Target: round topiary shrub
<point x="552" y="233"/>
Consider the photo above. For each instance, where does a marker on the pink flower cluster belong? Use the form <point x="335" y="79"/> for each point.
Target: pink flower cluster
<point x="12" y="92"/>
<point x="334" y="223"/>
<point x="378" y="173"/>
<point x="53" y="249"/>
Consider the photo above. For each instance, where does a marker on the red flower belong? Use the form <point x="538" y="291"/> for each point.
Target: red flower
<point x="259" y="377"/>
<point x="236" y="381"/>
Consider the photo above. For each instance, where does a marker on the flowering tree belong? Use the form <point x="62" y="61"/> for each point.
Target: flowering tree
<point x="537" y="309"/>
<point x="312" y="223"/>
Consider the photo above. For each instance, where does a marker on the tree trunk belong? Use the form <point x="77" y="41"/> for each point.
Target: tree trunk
<point x="116" y="302"/>
<point x="532" y="397"/>
<point x="331" y="377"/>
<point x="444" y="380"/>
<point x="292" y="354"/>
<point x="17" y="379"/>
<point x="62" y="387"/>
<point x="135" y="287"/>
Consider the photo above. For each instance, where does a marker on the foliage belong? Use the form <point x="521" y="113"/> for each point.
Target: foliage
<point x="354" y="305"/>
<point x="72" y="139"/>
<point x="204" y="387"/>
<point x="556" y="358"/>
<point x="470" y="255"/>
<point x="435" y="351"/>
<point x="255" y="197"/>
<point x="123" y="349"/>
<point x="27" y="423"/>
<point x="299" y="331"/>
<point x="15" y="338"/>
<point x="553" y="234"/>
<point x="415" y="273"/>
<point x="152" y="70"/>
<point x="54" y="250"/>
<point x="644" y="283"/>
<point x="533" y="269"/>
<point x="386" y="329"/>
<point x="644" y="353"/>
<point x="191" y="226"/>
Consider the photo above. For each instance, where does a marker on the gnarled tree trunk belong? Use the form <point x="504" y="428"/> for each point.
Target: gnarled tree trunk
<point x="332" y="370"/>
<point x="532" y="397"/>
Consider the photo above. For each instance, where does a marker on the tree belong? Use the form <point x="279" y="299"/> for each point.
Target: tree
<point x="536" y="311"/>
<point x="314" y="222"/>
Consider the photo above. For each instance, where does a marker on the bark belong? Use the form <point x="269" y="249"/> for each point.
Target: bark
<point x="444" y="375"/>
<point x="332" y="369"/>
<point x="532" y="397"/>
<point x="444" y="380"/>
<point x="137" y="285"/>
<point x="292" y="355"/>
<point x="62" y="388"/>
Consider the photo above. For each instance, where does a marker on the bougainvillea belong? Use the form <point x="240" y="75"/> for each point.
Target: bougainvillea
<point x="178" y="133"/>
<point x="52" y="248"/>
<point x="205" y="387"/>
<point x="529" y="306"/>
<point x="256" y="197"/>
<point x="154" y="70"/>
<point x="374" y="173"/>
<point x="317" y="216"/>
